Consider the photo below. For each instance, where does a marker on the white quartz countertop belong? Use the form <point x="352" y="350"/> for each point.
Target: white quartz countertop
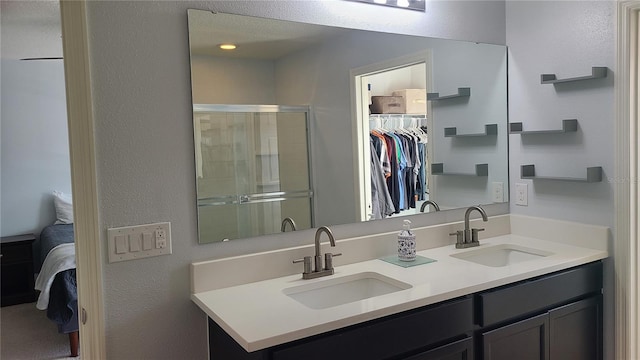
<point x="259" y="315"/>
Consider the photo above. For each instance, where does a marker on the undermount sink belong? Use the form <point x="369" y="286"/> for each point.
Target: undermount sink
<point x="342" y="290"/>
<point x="501" y="255"/>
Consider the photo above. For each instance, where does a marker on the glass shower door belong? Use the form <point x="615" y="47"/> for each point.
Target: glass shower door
<point x="252" y="170"/>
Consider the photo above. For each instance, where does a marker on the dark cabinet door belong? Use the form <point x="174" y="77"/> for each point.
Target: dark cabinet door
<point x="16" y="270"/>
<point x="459" y="350"/>
<point x="575" y="330"/>
<point x="223" y="347"/>
<point x="524" y="340"/>
<point x="506" y="303"/>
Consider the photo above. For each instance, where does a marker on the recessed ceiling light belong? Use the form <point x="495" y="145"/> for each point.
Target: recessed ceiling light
<point x="227" y="46"/>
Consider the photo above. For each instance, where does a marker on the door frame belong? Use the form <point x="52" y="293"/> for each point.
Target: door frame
<point x="89" y="258"/>
<point x="359" y="112"/>
<point x="627" y="189"/>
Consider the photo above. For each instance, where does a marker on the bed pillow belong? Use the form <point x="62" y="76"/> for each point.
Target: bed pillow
<point x="64" y="208"/>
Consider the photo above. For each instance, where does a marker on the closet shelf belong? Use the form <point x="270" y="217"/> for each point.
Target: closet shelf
<point x="396" y="120"/>
<point x="481" y="170"/>
<point x="594" y="174"/>
<point x="568" y="125"/>
<point x="397" y="116"/>
<point x="596" y="73"/>
<point x="489" y="130"/>
<point x="462" y="92"/>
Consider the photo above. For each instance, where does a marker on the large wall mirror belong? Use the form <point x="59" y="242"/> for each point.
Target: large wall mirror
<point x="294" y="123"/>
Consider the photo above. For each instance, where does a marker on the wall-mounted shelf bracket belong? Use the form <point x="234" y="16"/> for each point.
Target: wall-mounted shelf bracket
<point x="597" y="72"/>
<point x="489" y="130"/>
<point x="594" y="174"/>
<point x="481" y="170"/>
<point x="568" y="125"/>
<point x="462" y="92"/>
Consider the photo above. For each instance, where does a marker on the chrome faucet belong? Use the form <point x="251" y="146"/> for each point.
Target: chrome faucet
<point x="429" y="202"/>
<point x="286" y="221"/>
<point x="469" y="237"/>
<point x="318" y="270"/>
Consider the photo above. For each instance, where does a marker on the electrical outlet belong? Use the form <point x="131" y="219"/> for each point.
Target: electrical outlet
<point x="522" y="194"/>
<point x="497" y="193"/>
<point x="161" y="239"/>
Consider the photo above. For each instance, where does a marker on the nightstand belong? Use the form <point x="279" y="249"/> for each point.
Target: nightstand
<point x="16" y="269"/>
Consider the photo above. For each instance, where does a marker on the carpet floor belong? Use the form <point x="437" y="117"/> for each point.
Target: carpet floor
<point x="26" y="333"/>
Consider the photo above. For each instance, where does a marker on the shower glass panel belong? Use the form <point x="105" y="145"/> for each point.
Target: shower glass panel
<point x="253" y="170"/>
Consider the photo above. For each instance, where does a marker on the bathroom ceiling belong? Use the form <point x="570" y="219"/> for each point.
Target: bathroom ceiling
<point x="30" y="29"/>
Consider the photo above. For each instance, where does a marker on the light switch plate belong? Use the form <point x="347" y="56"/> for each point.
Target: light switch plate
<point x="139" y="241"/>
<point x="497" y="192"/>
<point x="522" y="197"/>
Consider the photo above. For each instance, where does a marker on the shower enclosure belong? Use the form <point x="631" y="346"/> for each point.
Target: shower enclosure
<point x="252" y="169"/>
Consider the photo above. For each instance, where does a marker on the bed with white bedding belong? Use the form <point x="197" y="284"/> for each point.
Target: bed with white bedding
<point x="57" y="280"/>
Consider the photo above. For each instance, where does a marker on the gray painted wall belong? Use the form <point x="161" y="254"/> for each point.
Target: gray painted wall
<point x="575" y="36"/>
<point x="319" y="76"/>
<point x="144" y="147"/>
<point x="232" y="81"/>
<point x="35" y="145"/>
<point x="482" y="68"/>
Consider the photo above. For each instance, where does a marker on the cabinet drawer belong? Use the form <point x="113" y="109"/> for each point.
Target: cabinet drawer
<point x="387" y="337"/>
<point x="538" y="294"/>
<point x="16" y="252"/>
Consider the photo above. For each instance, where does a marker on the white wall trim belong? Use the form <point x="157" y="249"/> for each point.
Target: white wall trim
<point x="83" y="177"/>
<point x="626" y="250"/>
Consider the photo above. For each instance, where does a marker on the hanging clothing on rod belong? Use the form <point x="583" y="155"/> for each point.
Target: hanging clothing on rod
<point x="401" y="152"/>
<point x="381" y="202"/>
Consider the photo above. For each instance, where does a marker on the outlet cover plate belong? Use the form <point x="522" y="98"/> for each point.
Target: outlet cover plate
<point x="522" y="197"/>
<point x="497" y="192"/>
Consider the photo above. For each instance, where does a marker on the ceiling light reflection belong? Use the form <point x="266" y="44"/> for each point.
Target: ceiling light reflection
<point x="403" y="4"/>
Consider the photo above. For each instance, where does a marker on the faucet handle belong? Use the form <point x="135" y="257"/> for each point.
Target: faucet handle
<point x="474" y="234"/>
<point x="328" y="260"/>
<point x="459" y="236"/>
<point x="307" y="263"/>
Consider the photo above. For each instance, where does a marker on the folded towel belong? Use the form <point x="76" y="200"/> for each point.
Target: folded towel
<point x="60" y="258"/>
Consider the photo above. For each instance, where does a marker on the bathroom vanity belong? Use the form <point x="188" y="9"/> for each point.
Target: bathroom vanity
<point x="541" y="300"/>
<point x="514" y="321"/>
